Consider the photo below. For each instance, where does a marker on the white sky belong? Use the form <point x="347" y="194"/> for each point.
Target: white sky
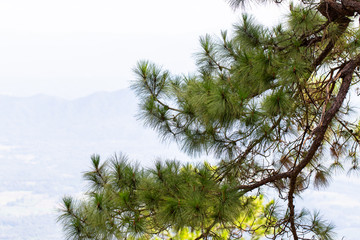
<point x="71" y="48"/>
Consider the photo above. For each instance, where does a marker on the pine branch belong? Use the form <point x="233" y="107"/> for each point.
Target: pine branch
<point x="319" y="132"/>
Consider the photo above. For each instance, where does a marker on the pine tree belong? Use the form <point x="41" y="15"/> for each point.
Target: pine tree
<point x="170" y="201"/>
<point x="271" y="104"/>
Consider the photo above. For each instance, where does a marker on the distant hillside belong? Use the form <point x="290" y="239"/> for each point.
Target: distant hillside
<point x="104" y="115"/>
<point x="45" y="145"/>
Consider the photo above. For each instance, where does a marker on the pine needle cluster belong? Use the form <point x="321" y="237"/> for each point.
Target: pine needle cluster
<point x="170" y="201"/>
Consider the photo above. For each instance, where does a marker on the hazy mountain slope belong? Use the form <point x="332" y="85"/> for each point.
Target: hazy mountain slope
<point x="47" y="117"/>
<point x="45" y="145"/>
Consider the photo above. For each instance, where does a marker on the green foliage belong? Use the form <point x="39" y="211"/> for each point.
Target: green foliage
<point x="269" y="103"/>
<point x="258" y="84"/>
<point x="170" y="200"/>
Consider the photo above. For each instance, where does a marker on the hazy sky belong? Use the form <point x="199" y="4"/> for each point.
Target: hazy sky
<point x="71" y="48"/>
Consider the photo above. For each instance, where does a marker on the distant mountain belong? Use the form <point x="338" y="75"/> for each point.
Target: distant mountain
<point x="101" y="115"/>
<point x="45" y="145"/>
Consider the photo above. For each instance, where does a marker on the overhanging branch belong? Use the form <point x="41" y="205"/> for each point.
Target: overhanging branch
<point x="319" y="132"/>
